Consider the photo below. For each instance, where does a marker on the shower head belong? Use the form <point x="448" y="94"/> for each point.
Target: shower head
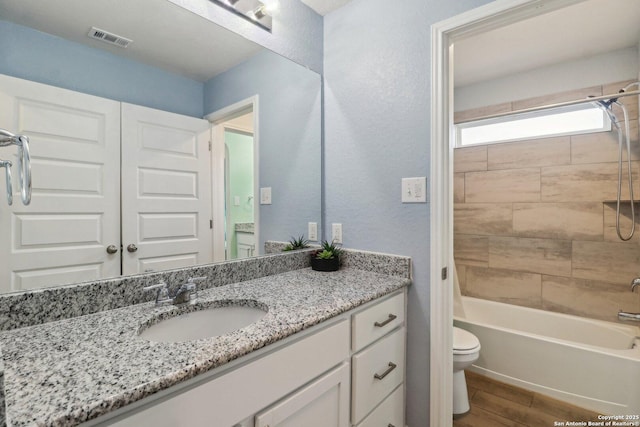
<point x="605" y="105"/>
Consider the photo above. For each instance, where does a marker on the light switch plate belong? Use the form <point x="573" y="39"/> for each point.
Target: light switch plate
<point x="313" y="231"/>
<point x="236" y="200"/>
<point x="265" y="196"/>
<point x="414" y="190"/>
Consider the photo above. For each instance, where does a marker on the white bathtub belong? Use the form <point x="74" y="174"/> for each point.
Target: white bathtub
<point x="589" y="363"/>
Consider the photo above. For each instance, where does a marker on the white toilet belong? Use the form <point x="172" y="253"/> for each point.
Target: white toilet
<point x="466" y="350"/>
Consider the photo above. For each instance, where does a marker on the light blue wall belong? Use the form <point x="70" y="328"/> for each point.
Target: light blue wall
<point x="377" y="77"/>
<point x="37" y="56"/>
<point x="289" y="142"/>
<point x="297" y="29"/>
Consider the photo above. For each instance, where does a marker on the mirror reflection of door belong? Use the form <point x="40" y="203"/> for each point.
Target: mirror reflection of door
<point x="239" y="197"/>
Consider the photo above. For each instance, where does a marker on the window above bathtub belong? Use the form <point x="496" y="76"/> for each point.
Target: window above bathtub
<point x="540" y="124"/>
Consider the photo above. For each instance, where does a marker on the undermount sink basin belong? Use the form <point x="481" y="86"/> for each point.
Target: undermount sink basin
<point x="204" y="323"/>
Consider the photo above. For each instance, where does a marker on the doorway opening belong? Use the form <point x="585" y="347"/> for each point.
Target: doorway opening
<point x="235" y="177"/>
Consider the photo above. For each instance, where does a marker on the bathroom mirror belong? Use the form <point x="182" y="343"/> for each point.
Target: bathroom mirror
<point x="178" y="62"/>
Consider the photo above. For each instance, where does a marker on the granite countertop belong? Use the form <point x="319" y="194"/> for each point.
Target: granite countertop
<point x="66" y="372"/>
<point x="246" y="227"/>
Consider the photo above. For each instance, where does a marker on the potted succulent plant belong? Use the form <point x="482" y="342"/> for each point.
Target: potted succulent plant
<point x="294" y="244"/>
<point x="327" y="258"/>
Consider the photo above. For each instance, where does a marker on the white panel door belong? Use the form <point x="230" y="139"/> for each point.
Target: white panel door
<point x="62" y="236"/>
<point x="166" y="190"/>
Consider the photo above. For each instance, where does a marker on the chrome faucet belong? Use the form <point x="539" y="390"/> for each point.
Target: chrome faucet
<point x="185" y="293"/>
<point x="633" y="317"/>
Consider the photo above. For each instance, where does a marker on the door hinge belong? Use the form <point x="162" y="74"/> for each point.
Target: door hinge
<point x="210" y="145"/>
<point x="444" y="273"/>
<point x="211" y="224"/>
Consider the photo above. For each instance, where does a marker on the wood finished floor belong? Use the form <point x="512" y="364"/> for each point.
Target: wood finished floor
<point x="495" y="404"/>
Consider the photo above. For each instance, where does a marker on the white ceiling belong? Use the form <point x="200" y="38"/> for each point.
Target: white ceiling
<point x="322" y="7"/>
<point x="164" y="35"/>
<point x="582" y="30"/>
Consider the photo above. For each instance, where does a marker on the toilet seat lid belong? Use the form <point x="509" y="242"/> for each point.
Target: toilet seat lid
<point x="464" y="340"/>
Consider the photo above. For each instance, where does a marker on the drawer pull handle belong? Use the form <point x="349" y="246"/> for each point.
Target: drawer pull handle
<point x="391" y="367"/>
<point x="390" y="319"/>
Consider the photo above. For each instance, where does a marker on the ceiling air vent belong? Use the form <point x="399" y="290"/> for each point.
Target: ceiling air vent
<point x="105" y="36"/>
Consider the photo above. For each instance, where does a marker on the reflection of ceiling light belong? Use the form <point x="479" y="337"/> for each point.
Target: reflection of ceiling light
<point x="253" y="10"/>
<point x="270" y="6"/>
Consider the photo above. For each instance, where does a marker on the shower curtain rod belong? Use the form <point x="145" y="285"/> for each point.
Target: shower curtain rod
<point x="550" y="106"/>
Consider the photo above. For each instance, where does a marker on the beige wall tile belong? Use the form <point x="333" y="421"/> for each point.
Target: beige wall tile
<point x="513" y="287"/>
<point x="584" y="183"/>
<point x="610" y="233"/>
<point x="543" y="256"/>
<point x="471" y="250"/>
<point x="523" y="154"/>
<point x="557" y="97"/>
<point x="565" y="221"/>
<point x="467" y="115"/>
<point x="605" y="261"/>
<point x="481" y="218"/>
<point x="630" y="102"/>
<point x="470" y="159"/>
<point x="458" y="187"/>
<point x="512" y="185"/>
<point x="602" y="147"/>
<point x="587" y="298"/>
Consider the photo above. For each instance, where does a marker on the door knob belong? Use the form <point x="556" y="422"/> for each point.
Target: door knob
<point x="112" y="249"/>
<point x="132" y="248"/>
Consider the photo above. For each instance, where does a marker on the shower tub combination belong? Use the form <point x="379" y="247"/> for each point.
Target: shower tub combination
<point x="590" y="363"/>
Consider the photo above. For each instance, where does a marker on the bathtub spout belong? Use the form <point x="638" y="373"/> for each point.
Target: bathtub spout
<point x="631" y="317"/>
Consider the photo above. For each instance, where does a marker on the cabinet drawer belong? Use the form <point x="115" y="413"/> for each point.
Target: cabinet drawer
<point x="389" y="413"/>
<point x="376" y="372"/>
<point x="376" y="321"/>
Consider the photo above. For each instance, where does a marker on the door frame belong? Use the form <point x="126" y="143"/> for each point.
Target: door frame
<point x="443" y="34"/>
<point x="217" y="118"/>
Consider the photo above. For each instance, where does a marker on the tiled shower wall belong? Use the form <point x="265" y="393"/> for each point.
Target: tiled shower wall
<point x="534" y="221"/>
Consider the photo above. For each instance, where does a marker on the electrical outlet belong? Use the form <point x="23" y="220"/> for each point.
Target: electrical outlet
<point x="265" y="196"/>
<point x="336" y="233"/>
<point x="313" y="231"/>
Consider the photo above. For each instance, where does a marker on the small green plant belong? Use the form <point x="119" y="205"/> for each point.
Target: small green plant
<point x="328" y="250"/>
<point x="299" y="243"/>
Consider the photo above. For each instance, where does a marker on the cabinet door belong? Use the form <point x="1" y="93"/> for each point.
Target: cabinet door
<point x="323" y="403"/>
<point x="166" y="190"/>
<point x="74" y="215"/>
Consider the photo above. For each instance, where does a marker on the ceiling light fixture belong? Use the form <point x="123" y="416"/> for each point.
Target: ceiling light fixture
<point x="254" y="11"/>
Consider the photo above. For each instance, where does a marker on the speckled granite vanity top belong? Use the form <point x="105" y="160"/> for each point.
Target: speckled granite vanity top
<point x="66" y="372"/>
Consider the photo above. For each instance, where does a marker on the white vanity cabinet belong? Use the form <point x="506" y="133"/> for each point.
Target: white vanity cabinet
<point x="245" y="244"/>
<point x="336" y="374"/>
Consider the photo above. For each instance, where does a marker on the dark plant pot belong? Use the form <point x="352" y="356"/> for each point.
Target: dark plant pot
<point x="332" y="264"/>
